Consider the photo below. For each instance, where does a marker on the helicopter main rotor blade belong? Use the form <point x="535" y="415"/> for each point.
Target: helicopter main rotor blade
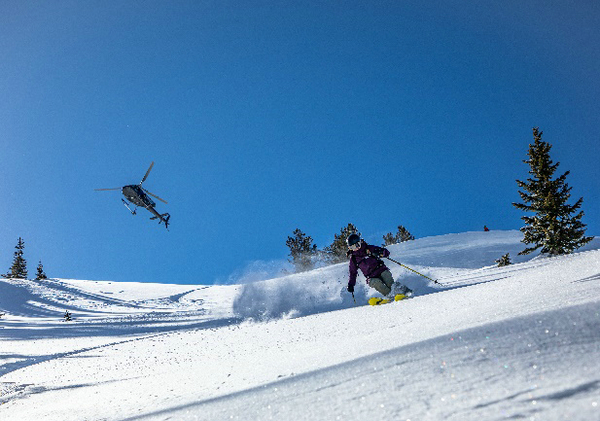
<point x="147" y="172"/>
<point x="115" y="188"/>
<point x="153" y="195"/>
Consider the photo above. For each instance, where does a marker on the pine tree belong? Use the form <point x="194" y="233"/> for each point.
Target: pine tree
<point x="389" y="239"/>
<point x="336" y="252"/>
<point x="302" y="251"/>
<point x="40" y="272"/>
<point x="554" y="227"/>
<point x="401" y="236"/>
<point x="19" y="266"/>
<point x="504" y="260"/>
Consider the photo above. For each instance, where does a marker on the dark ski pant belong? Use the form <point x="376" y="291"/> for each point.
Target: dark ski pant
<point x="383" y="283"/>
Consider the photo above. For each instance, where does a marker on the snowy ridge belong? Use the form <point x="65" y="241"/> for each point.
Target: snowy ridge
<point x="519" y="342"/>
<point x="452" y="259"/>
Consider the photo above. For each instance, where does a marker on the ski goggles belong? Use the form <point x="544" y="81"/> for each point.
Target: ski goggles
<point x="354" y="247"/>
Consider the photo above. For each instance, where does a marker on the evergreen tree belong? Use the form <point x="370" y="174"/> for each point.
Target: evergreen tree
<point x="401" y="236"/>
<point x="554" y="227"/>
<point x="389" y="239"/>
<point x="336" y="252"/>
<point x="19" y="266"/>
<point x="302" y="251"/>
<point x="40" y="272"/>
<point x="504" y="260"/>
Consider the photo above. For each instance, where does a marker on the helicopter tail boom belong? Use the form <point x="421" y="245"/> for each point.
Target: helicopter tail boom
<point x="162" y="218"/>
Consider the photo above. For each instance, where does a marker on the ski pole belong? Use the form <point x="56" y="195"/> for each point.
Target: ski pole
<point x="353" y="297"/>
<point x="412" y="270"/>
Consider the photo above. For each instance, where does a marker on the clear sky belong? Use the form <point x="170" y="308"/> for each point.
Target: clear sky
<point x="266" y="116"/>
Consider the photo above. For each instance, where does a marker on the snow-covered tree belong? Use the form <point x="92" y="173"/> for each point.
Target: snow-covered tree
<point x="40" y="272"/>
<point x="401" y="236"/>
<point x="504" y="260"/>
<point x="302" y="251"/>
<point x="336" y="252"/>
<point x="19" y="265"/>
<point x="556" y="226"/>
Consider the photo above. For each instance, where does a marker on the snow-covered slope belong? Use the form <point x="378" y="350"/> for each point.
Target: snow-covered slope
<point x="519" y="342"/>
<point x="453" y="259"/>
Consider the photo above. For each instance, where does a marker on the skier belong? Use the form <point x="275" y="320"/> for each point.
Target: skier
<point x="367" y="258"/>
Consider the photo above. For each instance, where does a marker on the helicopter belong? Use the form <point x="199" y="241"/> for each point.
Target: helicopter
<point x="139" y="196"/>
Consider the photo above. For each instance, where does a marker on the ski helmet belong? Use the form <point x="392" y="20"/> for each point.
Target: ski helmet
<point x="352" y="239"/>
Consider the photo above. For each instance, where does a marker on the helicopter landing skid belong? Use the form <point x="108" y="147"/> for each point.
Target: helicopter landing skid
<point x="127" y="206"/>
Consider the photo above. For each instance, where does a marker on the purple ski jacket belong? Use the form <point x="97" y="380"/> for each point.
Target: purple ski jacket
<point x="365" y="260"/>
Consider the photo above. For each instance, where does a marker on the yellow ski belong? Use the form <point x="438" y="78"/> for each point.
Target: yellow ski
<point x="375" y="301"/>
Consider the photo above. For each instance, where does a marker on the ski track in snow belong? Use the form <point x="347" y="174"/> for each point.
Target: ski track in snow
<point x="519" y="342"/>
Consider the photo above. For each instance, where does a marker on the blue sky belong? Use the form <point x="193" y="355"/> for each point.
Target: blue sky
<point x="266" y="116"/>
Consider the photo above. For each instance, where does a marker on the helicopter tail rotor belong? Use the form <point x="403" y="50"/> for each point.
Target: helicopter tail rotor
<point x="163" y="218"/>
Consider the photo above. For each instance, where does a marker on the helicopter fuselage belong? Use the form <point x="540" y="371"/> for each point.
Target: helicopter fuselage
<point x="136" y="195"/>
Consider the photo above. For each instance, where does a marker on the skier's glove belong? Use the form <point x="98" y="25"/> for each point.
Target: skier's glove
<point x="350" y="288"/>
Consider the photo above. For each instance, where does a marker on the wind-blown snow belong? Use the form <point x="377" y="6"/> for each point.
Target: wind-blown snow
<point x="519" y="342"/>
